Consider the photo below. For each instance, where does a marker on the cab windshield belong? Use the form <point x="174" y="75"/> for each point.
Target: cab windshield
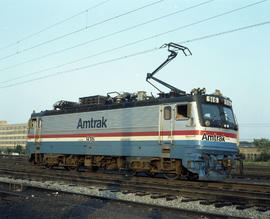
<point x="228" y="115"/>
<point x="214" y="115"/>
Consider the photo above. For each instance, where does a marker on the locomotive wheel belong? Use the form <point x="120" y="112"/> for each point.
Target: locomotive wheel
<point x="94" y="169"/>
<point x="148" y="173"/>
<point x="49" y="166"/>
<point x="70" y="168"/>
<point x="171" y="176"/>
<point x="193" y="177"/>
<point x="131" y="173"/>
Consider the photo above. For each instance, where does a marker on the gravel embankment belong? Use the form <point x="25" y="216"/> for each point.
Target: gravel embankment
<point x="177" y="203"/>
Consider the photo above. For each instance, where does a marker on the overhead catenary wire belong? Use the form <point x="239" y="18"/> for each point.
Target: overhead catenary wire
<point x="80" y="30"/>
<point x="248" y="139"/>
<point x="53" y="25"/>
<point x="255" y="125"/>
<point x="135" y="54"/>
<point x="106" y="20"/>
<point x="105" y="36"/>
<point x="132" y="43"/>
<point x="84" y="67"/>
<point x="225" y="32"/>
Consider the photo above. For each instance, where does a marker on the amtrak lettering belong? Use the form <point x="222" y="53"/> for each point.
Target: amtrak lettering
<point x="92" y="123"/>
<point x="212" y="137"/>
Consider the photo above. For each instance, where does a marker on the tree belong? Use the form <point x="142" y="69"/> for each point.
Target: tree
<point x="262" y="145"/>
<point x="18" y="149"/>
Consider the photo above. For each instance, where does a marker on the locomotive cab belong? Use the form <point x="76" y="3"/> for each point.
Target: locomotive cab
<point x="216" y="112"/>
<point x="214" y="154"/>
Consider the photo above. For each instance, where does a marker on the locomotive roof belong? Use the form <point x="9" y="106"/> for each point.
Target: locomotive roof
<point x="96" y="107"/>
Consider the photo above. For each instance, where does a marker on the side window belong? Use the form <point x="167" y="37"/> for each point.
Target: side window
<point x="167" y="113"/>
<point x="181" y="111"/>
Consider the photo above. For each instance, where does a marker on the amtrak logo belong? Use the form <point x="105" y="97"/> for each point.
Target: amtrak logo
<point x="213" y="137"/>
<point x="92" y="123"/>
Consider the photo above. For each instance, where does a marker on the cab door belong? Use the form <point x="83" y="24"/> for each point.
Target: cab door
<point x="166" y="125"/>
<point x="37" y="131"/>
<point x="36" y="124"/>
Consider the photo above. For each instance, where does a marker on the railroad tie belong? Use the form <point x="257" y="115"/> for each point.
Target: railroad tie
<point x="156" y="196"/>
<point x="243" y="207"/>
<point x="207" y="202"/>
<point x="222" y="204"/>
<point x="141" y="193"/>
<point x="171" y="197"/>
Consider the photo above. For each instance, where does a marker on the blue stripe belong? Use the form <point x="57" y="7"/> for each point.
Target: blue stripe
<point x="180" y="148"/>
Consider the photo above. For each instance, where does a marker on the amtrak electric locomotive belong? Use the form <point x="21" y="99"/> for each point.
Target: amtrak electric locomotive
<point x="175" y="134"/>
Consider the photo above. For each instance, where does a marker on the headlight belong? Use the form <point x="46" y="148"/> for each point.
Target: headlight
<point x="207" y="123"/>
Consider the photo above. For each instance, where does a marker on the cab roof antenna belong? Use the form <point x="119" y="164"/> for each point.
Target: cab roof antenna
<point x="173" y="48"/>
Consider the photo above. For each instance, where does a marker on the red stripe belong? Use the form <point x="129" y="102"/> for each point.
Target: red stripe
<point x="229" y="135"/>
<point x="130" y="134"/>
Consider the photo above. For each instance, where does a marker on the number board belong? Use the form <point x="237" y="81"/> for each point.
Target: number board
<point x="227" y="102"/>
<point x="212" y="99"/>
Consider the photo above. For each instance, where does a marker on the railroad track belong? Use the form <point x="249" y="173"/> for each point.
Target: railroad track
<point x="250" y="172"/>
<point x="105" y="183"/>
<point x="235" y="193"/>
<point x="213" y="195"/>
<point x="161" y="210"/>
<point x="223" y="193"/>
<point x="253" y="173"/>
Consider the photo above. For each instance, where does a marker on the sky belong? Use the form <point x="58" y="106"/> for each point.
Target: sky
<point x="62" y="50"/>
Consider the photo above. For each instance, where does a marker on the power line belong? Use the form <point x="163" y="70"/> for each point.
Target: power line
<point x="135" y="54"/>
<point x="83" y="67"/>
<point x="79" y="30"/>
<point x="247" y="139"/>
<point x="132" y="43"/>
<point x="213" y="17"/>
<point x="115" y="17"/>
<point x="135" y="42"/>
<point x="53" y="25"/>
<point x="225" y="32"/>
<point x="105" y="36"/>
<point x="251" y="139"/>
<point x="74" y="61"/>
<point x="255" y="125"/>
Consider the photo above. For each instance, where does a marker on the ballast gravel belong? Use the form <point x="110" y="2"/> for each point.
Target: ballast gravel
<point x="176" y="203"/>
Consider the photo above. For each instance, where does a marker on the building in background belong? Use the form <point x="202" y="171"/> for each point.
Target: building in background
<point x="12" y="135"/>
<point x="249" y="150"/>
